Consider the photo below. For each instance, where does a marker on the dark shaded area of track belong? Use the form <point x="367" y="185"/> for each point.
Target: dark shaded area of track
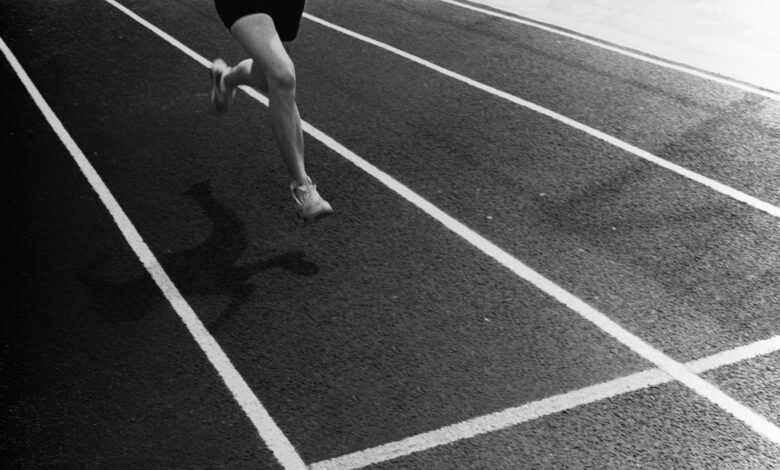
<point x="379" y="324"/>
<point x="98" y="371"/>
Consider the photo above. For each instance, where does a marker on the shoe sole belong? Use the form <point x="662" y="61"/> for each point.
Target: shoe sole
<point x="315" y="218"/>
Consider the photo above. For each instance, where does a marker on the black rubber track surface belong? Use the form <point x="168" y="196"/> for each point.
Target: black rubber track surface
<point x="379" y="323"/>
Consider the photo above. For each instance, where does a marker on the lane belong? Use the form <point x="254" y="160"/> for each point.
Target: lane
<point x="97" y="369"/>
<point x="299" y="311"/>
<point x="715" y="130"/>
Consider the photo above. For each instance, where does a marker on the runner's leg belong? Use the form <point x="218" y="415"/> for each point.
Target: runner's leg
<point x="272" y="70"/>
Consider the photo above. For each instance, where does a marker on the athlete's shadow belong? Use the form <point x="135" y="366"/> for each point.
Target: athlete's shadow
<point x="207" y="269"/>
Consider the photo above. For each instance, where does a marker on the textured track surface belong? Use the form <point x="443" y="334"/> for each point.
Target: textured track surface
<point x="379" y="323"/>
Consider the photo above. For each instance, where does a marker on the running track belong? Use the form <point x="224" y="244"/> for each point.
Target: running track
<point x="546" y="254"/>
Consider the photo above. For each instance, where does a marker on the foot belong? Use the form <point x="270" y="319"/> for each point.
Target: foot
<point x="308" y="202"/>
<point x="220" y="95"/>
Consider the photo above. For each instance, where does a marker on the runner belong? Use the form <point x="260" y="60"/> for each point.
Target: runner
<point x="266" y="29"/>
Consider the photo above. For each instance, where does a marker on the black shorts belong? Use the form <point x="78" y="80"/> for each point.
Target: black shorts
<point x="285" y="13"/>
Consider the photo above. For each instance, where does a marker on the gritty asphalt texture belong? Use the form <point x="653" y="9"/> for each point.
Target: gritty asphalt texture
<point x="379" y="323"/>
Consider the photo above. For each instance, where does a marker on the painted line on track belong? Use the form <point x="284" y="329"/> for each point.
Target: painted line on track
<point x="634" y="55"/>
<point x="733" y="356"/>
<point x="267" y="429"/>
<point x="673" y="368"/>
<point x="492" y="422"/>
<point x="614" y="141"/>
<point x="530" y="411"/>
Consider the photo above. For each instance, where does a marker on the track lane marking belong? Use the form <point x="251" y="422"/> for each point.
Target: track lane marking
<point x="735" y="355"/>
<point x="603" y="45"/>
<point x="537" y="409"/>
<point x="614" y="141"/>
<point x="675" y="369"/>
<point x="250" y="404"/>
<point x="492" y="422"/>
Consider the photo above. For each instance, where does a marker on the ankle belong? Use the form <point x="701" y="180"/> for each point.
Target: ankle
<point x="304" y="181"/>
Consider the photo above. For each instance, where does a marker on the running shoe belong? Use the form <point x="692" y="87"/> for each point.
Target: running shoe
<point x="220" y="95"/>
<point x="308" y="202"/>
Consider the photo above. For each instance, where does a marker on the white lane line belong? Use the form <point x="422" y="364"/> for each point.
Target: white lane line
<point x="679" y="68"/>
<point x="614" y="141"/>
<point x="268" y="430"/>
<point x="530" y="411"/>
<point x="668" y="365"/>
<point x="167" y="37"/>
<point x="732" y="356"/>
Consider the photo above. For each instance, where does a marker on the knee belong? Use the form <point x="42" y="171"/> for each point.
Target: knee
<point x="282" y="79"/>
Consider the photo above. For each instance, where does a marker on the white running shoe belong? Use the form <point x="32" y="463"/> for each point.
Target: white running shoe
<point x="220" y="95"/>
<point x="308" y="202"/>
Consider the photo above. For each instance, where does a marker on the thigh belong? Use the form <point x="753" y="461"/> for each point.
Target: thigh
<point x="258" y="36"/>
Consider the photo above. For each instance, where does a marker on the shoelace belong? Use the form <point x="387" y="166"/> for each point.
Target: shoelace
<point x="307" y="191"/>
